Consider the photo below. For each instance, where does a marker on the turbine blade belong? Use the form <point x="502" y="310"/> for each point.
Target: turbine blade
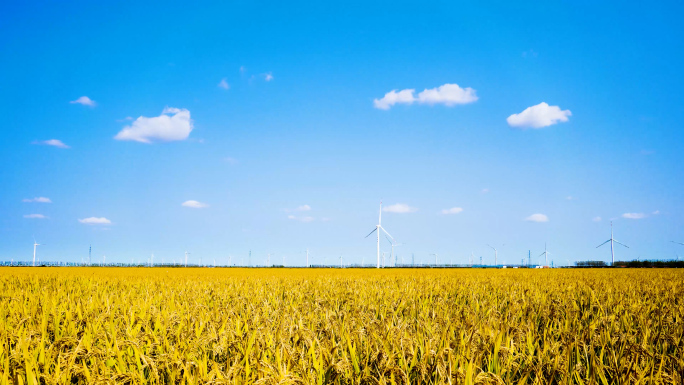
<point x="679" y="243"/>
<point x="383" y="229"/>
<point x="603" y="244"/>
<point x="369" y="234"/>
<point x="620" y="243"/>
<point x="389" y="240"/>
<point x="540" y="255"/>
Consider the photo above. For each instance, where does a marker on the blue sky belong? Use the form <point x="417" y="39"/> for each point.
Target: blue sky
<point x="277" y="124"/>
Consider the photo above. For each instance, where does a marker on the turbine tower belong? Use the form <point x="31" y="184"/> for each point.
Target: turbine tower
<point x="186" y="258"/>
<point x="394" y="244"/>
<point x="612" y="240"/>
<point x="496" y="253"/>
<point x="377" y="229"/>
<point x="435" y="258"/>
<point x="546" y="255"/>
<point x="35" y="244"/>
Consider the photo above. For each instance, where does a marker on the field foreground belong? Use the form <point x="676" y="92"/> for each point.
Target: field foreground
<point x="159" y="325"/>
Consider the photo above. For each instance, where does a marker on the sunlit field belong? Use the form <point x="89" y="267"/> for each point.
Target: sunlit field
<point x="346" y="326"/>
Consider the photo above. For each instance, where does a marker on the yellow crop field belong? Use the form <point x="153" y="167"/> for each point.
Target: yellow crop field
<point x="341" y="326"/>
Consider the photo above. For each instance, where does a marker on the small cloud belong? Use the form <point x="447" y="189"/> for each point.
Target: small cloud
<point x="393" y="97"/>
<point x="194" y="204"/>
<point x="596" y="219"/>
<point x="399" y="208"/>
<point x="84" y="100"/>
<point x="37" y="199"/>
<point x="51" y="142"/>
<point x="268" y="77"/>
<point x="243" y="69"/>
<point x="634" y="215"/>
<point x="223" y="84"/>
<point x="35" y="216"/>
<point x="453" y="210"/>
<point x="570" y="198"/>
<point x="484" y="191"/>
<point x="301" y="219"/>
<point x="656" y="212"/>
<point x="299" y="208"/>
<point x="447" y="94"/>
<point x="173" y="124"/>
<point x="539" y="116"/>
<point x="128" y="118"/>
<point x="537" y="218"/>
<point x="95" y="221"/>
<point x="230" y="161"/>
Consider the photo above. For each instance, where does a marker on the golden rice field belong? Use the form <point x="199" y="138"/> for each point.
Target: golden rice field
<point x="278" y="326"/>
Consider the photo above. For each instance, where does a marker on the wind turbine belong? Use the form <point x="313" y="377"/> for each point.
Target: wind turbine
<point x="679" y="243"/>
<point x="612" y="240"/>
<point x="394" y="244"/>
<point x="546" y="255"/>
<point x="496" y="253"/>
<point x="377" y="229"/>
<point x="186" y="258"/>
<point x="435" y="258"/>
<point x="34" y="250"/>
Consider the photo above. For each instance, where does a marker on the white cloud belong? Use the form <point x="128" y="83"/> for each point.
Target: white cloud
<point x="37" y="199"/>
<point x="172" y="124"/>
<point x="124" y="119"/>
<point x="84" y="100"/>
<point x="301" y="219"/>
<point x="537" y="218"/>
<point x="243" y="69"/>
<point x="570" y="198"/>
<point x="399" y="208"/>
<point x="596" y="219"/>
<point x="634" y="215"/>
<point x="299" y="208"/>
<point x="393" y="97"/>
<point x="95" y="221"/>
<point x="194" y="204"/>
<point x="268" y="77"/>
<point x="484" y="190"/>
<point x="453" y="210"/>
<point x="656" y="212"/>
<point x="51" y="142"/>
<point x="223" y="84"/>
<point x="35" y="216"/>
<point x="447" y="94"/>
<point x="541" y="115"/>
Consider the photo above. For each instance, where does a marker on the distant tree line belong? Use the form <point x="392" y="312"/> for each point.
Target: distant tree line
<point x="632" y="264"/>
